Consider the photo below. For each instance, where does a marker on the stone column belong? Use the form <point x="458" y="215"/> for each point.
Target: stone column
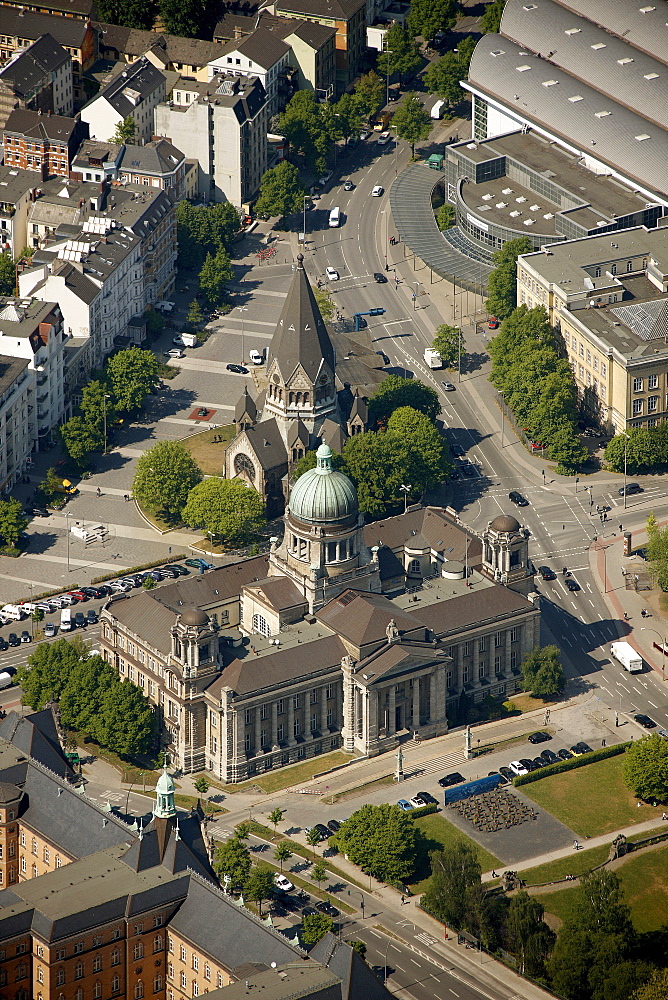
<point x="416" y="703"/>
<point x="323" y="709"/>
<point x="291" y="721"/>
<point x="392" y="713"/>
<point x="364" y="713"/>
<point x="434" y="711"/>
<point x="274" y="723"/>
<point x="506" y="666"/>
<point x="373" y="716"/>
<point x="475" y="665"/>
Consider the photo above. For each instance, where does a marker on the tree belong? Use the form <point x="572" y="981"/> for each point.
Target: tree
<point x="454" y="871"/>
<point x="148" y="583"/>
<point x="382" y="840"/>
<point x="426" y="17"/>
<point x="657" y="550"/>
<point x="260" y="885"/>
<point x="202" y="784"/>
<point x="124" y="132"/>
<point x="232" y="858"/>
<point x="97" y="405"/>
<point x="395" y="391"/>
<point x="325" y="302"/>
<point x="226" y="508"/>
<point x="376" y="462"/>
<point x="164" y="477"/>
<point x="215" y="273"/>
<point x="50" y="483"/>
<point x="319" y="873"/>
<point x="348" y="118"/>
<point x="44" y="675"/>
<point x="127" y="13"/>
<point x="531" y="938"/>
<point x="502" y="282"/>
<point x="490" y="22"/>
<point x="315" y="926"/>
<point x="443" y="78"/>
<point x="425" y="451"/>
<point x="183" y="17"/>
<point x="12" y="521"/>
<point x="281" y="191"/>
<point x="447" y="341"/>
<point x="128" y="719"/>
<point x="645" y="768"/>
<point x="133" y="374"/>
<point x="401" y="53"/>
<point x="542" y="672"/>
<point x="640" y="449"/>
<point x="242" y="830"/>
<point x="194" y="316"/>
<point x="282" y="853"/>
<point x="446" y="216"/>
<point x="203" y="229"/>
<point x="566" y="449"/>
<point x="7" y="274"/>
<point x="82" y="698"/>
<point x="79" y="438"/>
<point x="313" y="839"/>
<point x="656" y="988"/>
<point x="275" y="817"/>
<point x="411" y="121"/>
<point x="359" y="947"/>
<point x="369" y="94"/>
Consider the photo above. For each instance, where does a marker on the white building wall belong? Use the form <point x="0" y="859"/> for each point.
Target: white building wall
<point x="63" y="90"/>
<point x="189" y="131"/>
<point x="18" y="428"/>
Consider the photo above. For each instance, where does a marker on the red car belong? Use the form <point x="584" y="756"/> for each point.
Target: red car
<point x="493" y="323"/>
<point x="78" y="595"/>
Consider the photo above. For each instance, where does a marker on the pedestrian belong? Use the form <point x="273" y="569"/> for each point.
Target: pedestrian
<point x="402" y="900"/>
<point x="99" y="492"/>
<point x="626" y="617"/>
<point x="494" y="875"/>
<point x="638" y="805"/>
<point x="602" y="743"/>
<point x="663" y="816"/>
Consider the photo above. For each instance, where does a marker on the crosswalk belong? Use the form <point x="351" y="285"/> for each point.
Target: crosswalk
<point x="441" y="763"/>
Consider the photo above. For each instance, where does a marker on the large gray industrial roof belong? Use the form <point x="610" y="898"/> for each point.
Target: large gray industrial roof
<point x="586" y="51"/>
<point x="642" y="23"/>
<point x="536" y="91"/>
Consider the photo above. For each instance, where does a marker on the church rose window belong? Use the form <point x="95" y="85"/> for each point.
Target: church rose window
<point x="242" y="463"/>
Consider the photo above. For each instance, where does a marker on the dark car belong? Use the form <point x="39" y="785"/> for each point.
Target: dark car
<point x="645" y="721"/>
<point x="630" y="489"/>
<point x="539" y="762"/>
<point x="309" y="911"/>
<point x="467" y="469"/>
<point x="92" y="592"/>
<point x="238" y="369"/>
<point x="451" y="779"/>
<point x="547" y="573"/>
<point x="578" y="749"/>
<point x="180" y="570"/>
<point x="379" y="277"/>
<point x="518" y="499"/>
<point x="550" y="757"/>
<point x="572" y="584"/>
<point x="427" y="798"/>
<point x="333" y="825"/>
<point x="104" y="590"/>
<point x="494" y="774"/>
<point x="507" y="773"/>
<point x="197" y="562"/>
<point x="529" y="764"/>
<point x="383" y="355"/>
<point x="13" y="639"/>
<point x="26" y="636"/>
<point x="39" y="512"/>
<point x="135" y="578"/>
<point x="564" y="754"/>
<point x="155" y="574"/>
<point x="169" y="573"/>
<point x="540" y="737"/>
<point x="3" y="643"/>
<point x="323" y="831"/>
<point x="80" y="620"/>
<point x="457" y="450"/>
<point x="92" y="617"/>
<point x="326" y="907"/>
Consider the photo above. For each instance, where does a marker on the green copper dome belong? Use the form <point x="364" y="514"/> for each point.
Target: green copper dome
<point x="323" y="496"/>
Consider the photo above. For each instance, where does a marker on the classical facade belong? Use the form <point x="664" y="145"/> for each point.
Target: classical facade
<point x="345" y="635"/>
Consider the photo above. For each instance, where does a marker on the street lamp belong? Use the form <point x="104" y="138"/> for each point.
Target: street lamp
<point x="415" y="294"/>
<point x="663" y="649"/>
<point x="361" y="899"/>
<point x="105" y="397"/>
<point x="67" y="526"/>
<point x="242" y="310"/>
<point x="384" y="213"/>
<point x="405" y="489"/>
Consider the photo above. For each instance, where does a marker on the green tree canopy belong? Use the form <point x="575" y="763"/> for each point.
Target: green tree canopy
<point x="401" y="53"/>
<point x="531" y="938"/>
<point x="502" y="282"/>
<point x="490" y="22"/>
<point x="307" y="125"/>
<point x="203" y="229"/>
<point x="129" y="721"/>
<point x="412" y="121"/>
<point x="127" y="13"/>
<point x="376" y="463"/>
<point x="542" y="672"/>
<point x="183" y="17"/>
<point x="125" y="132"/>
<point x="81" y="703"/>
<point x="369" y="94"/>
<point x="645" y="768"/>
<point x="656" y="988"/>
<point x="395" y="391"/>
<point x="566" y="449"/>
<point x="657" y="550"/>
<point x="426" y="17"/>
<point x="164" y="477"/>
<point x="216" y="271"/>
<point x="282" y="853"/>
<point x="259" y="886"/>
<point x="133" y="374"/>
<point x="426" y="462"/>
<point x="445" y="218"/>
<point x="443" y="78"/>
<point x="315" y="926"/>
<point x="325" y="303"/>
<point x="226" y="508"/>
<point x="347" y="114"/>
<point x="44" y="675"/>
<point x="94" y="405"/>
<point x="447" y="342"/>
<point x="7" y="274"/>
<point x="79" y="438"/>
<point x="309" y="461"/>
<point x="281" y="191"/>
<point x="454" y="872"/>
<point x="382" y="840"/>
<point x="12" y="520"/>
<point x="232" y="858"/>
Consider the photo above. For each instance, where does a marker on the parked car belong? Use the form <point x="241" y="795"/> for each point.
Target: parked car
<point x="180" y="570"/>
<point x="418" y="802"/>
<point x="364" y="134"/>
<point x="322" y="830"/>
<point x="578" y="749"/>
<point x="78" y="595"/>
<point x="104" y="589"/>
<point x="26" y="636"/>
<point x="66" y="600"/>
<point x="379" y="278"/>
<point x="283" y="883"/>
<point x="92" y="617"/>
<point x="428" y="798"/>
<point x="518" y="499"/>
<point x="550" y="757"/>
<point x="564" y="754"/>
<point x="169" y="573"/>
<point x="92" y="592"/>
<point x="155" y="574"/>
<point x="332" y="274"/>
<point x="451" y="779"/>
<point x="540" y="737"/>
<point x="630" y="489"/>
<point x="333" y="825"/>
<point x="663" y="733"/>
<point x="237" y="369"/>
<point x="493" y="323"/>
<point x="538" y="762"/>
<point x="572" y="584"/>
<point x="196" y="563"/>
<point x="309" y="911"/>
<point x="326" y="907"/>
<point x="547" y="573"/>
<point x="467" y="468"/>
<point x="507" y="773"/>
<point x="39" y="512"/>
<point x="80" y="620"/>
<point x="528" y="763"/>
<point x="517" y="768"/>
<point x="50" y="629"/>
<point x="43" y="606"/>
<point x="457" y="450"/>
<point x="644" y="721"/>
<point x="403" y="804"/>
<point x="174" y="352"/>
<point x="13" y="639"/>
<point x="378" y="191"/>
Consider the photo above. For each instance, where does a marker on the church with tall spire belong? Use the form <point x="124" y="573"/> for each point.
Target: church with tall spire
<point x="300" y="404"/>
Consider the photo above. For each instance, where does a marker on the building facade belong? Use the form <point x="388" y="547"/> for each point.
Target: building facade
<point x="37" y="78"/>
<point x="347" y="17"/>
<point x="45" y="144"/>
<point x="261" y="54"/>
<point x="21" y="27"/>
<point x="134" y="93"/>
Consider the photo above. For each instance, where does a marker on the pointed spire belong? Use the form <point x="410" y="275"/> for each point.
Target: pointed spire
<point x="301" y="337"/>
<point x="177" y="832"/>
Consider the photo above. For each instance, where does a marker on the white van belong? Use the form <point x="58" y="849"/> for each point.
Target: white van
<point x="13" y="612"/>
<point x="335" y="218"/>
<point x="257" y="357"/>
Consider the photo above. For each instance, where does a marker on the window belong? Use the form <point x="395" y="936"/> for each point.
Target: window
<point x="196" y="963"/>
<point x="248" y="716"/>
<point x="97" y="963"/>
<point x="652" y="404"/>
<point x="330" y="717"/>
<point x="261" y="625"/>
<point x="195" y="988"/>
<point x="498" y="639"/>
<point x="46" y="855"/>
<point x="482" y="670"/>
<point x="60" y="954"/>
<point x="314" y="722"/>
<point x="279" y="707"/>
<point x="629" y="265"/>
<point x="207" y="971"/>
<point x="652" y="381"/>
<point x="637" y="407"/>
<point x="139" y="990"/>
<point x="263" y="712"/>
<point x="115" y="985"/>
<point x="97" y="990"/>
<point x="115" y="957"/>
<point x="220" y="980"/>
<point x="248" y="743"/>
<point x="513" y="659"/>
<point x="497" y="664"/>
<point x="23" y="839"/>
<point x="60" y="977"/>
<point x="24" y="866"/>
<point x="139" y="928"/>
<point x="514" y="633"/>
<point x="183" y="954"/>
<point x="40" y="975"/>
<point x="157" y="984"/>
<point x="637" y="385"/>
<point x="613" y="269"/>
<point x="280" y="733"/>
<point x="78" y="970"/>
<point x="604" y="369"/>
<point x="184" y="980"/>
<point x="329" y="691"/>
<point x="297" y="727"/>
<point x="465" y="649"/>
<point x="295" y="701"/>
<point x="138" y="950"/>
<point x="157" y="943"/>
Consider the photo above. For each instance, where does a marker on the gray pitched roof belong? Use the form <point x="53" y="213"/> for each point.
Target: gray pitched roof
<point x="301" y="336"/>
<point x="57" y="128"/>
<point x="39" y="60"/>
<point x="134" y="42"/>
<point x="157" y="157"/>
<point x="357" y="979"/>
<point x="147" y="617"/>
<point x="335" y="10"/>
<point x="24" y="23"/>
<point x="261" y="46"/>
<point x="440" y="531"/>
<point x="142" y="77"/>
<point x="267" y="445"/>
<point x="36" y="735"/>
<point x="477" y="607"/>
<point x="362" y="618"/>
<point x="314" y="34"/>
<point x="250" y="674"/>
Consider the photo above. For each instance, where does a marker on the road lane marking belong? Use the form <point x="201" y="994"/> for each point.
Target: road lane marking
<point x="394" y="948"/>
<point x="416" y="963"/>
<point x="375" y="934"/>
<point x="652" y="704"/>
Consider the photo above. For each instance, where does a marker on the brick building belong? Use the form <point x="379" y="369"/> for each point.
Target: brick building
<point x="45" y="144"/>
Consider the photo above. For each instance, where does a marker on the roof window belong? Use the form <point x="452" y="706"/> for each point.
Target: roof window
<point x="602" y="114"/>
<point x="572" y="31"/>
<point x="497" y="52"/>
<point x="646" y="10"/>
<point x="625" y="61"/>
<point x="598" y="45"/>
<point x="523" y="69"/>
<point x="550" y="83"/>
<point x="575" y="98"/>
<point x="642" y="137"/>
<point x="651" y="76"/>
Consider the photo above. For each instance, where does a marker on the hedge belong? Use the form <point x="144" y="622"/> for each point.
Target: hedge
<point x="570" y="765"/>
<point x="432" y="807"/>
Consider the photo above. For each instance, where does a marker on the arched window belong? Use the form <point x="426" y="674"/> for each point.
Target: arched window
<point x="78" y="970"/>
<point x="260" y="625"/>
<point x="115" y="957"/>
<point x="157" y="943"/>
<point x="139" y="990"/>
<point x="79" y="995"/>
<point x="157" y="984"/>
<point x="138" y="950"/>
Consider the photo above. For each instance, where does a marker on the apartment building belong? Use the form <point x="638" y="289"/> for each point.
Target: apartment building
<point x="186" y="56"/>
<point x="261" y="54"/>
<point x="134" y="93"/>
<point x="17" y="191"/>
<point x="18" y="420"/>
<point x="97" y="161"/>
<point x="347" y="17"/>
<point x="20" y="27"/>
<point x="149" y="214"/>
<point x="222" y="124"/>
<point x="45" y="144"/>
<point x="158" y="164"/>
<point x="38" y="78"/>
<point x="608" y="297"/>
<point x="32" y="333"/>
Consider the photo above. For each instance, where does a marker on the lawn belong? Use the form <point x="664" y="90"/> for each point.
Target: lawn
<point x="645" y="885"/>
<point x="591" y="800"/>
<point x="440" y="834"/>
<point x="575" y="864"/>
<point x="274" y="781"/>
<point x="210" y="455"/>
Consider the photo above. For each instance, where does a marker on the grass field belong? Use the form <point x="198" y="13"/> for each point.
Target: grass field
<point x="644" y="882"/>
<point x="210" y="456"/>
<point x="273" y="781"/>
<point x="438" y="834"/>
<point x="591" y="800"/>
<point x="575" y="864"/>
